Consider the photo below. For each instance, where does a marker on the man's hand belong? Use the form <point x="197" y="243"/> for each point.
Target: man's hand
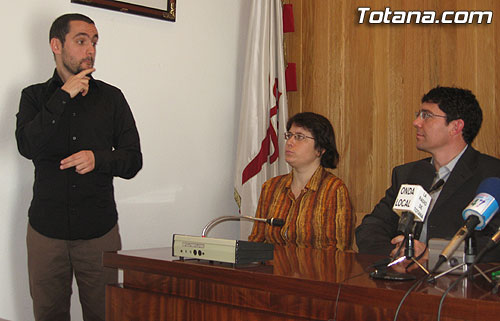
<point x="83" y="161"/>
<point x="419" y="247"/>
<point x="78" y="83"/>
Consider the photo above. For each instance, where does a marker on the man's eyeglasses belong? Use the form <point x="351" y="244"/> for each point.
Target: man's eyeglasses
<point x="425" y="114"/>
<point x="298" y="137"/>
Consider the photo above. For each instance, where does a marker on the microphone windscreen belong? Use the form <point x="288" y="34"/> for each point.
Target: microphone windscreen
<point x="485" y="205"/>
<point x="278" y="222"/>
<point x="422" y="173"/>
<point x="490" y="185"/>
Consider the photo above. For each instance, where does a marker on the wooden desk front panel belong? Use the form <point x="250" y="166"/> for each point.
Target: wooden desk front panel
<point x="222" y="299"/>
<point x="295" y="288"/>
<point x="214" y="302"/>
<point x="127" y="304"/>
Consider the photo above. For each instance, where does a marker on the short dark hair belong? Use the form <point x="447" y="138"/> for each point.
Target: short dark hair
<point x="60" y="26"/>
<point x="458" y="103"/>
<point x="324" y="136"/>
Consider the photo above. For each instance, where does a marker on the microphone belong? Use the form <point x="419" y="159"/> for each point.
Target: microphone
<point x="271" y="221"/>
<point x="407" y="220"/>
<point x="495" y="239"/>
<point x="411" y="204"/>
<point x="437" y="186"/>
<point x="422" y="175"/>
<point x="485" y="204"/>
<point x="477" y="215"/>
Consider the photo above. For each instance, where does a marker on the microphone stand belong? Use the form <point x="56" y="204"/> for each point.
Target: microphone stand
<point x="470" y="255"/>
<point x="212" y="223"/>
<point x="410" y="252"/>
<point x="381" y="273"/>
<point x="404" y="226"/>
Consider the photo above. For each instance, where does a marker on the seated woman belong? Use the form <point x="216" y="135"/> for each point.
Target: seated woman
<point x="313" y="202"/>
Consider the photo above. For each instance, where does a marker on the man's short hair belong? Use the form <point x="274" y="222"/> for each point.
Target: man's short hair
<point x="60" y="26"/>
<point x="458" y="103"/>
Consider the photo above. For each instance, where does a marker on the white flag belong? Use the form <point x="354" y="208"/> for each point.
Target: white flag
<point x="264" y="107"/>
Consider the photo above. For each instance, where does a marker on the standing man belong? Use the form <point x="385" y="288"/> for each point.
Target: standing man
<point x="80" y="133"/>
<point x="447" y="123"/>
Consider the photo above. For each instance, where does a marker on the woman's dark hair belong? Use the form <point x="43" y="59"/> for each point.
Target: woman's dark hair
<point x="60" y="26"/>
<point x="458" y="103"/>
<point x="324" y="136"/>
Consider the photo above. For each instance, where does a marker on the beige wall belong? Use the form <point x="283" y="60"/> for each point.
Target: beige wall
<point x="183" y="81"/>
<point x="368" y="80"/>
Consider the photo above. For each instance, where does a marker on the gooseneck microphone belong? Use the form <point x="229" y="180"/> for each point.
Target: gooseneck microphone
<point x="278" y="222"/>
<point x="274" y="221"/>
<point x="477" y="215"/>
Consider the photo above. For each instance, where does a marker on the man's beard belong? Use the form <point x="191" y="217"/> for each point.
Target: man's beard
<point x="77" y="69"/>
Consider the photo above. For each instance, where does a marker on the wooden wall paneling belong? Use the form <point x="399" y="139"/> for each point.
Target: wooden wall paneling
<point x="495" y="102"/>
<point x="419" y="74"/>
<point x="486" y="87"/>
<point x="447" y="54"/>
<point x="398" y="109"/>
<point x="368" y="80"/>
<point x="466" y="53"/>
<point x="382" y="119"/>
<point x="336" y="110"/>
<point x="359" y="106"/>
<point x="316" y="44"/>
<point x="415" y="81"/>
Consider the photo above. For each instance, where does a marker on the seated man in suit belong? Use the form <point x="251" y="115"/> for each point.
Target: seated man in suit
<point x="447" y="123"/>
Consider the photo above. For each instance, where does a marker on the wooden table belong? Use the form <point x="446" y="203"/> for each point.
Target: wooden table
<point x="299" y="284"/>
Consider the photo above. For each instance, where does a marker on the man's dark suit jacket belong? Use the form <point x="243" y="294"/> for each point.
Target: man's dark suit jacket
<point x="378" y="228"/>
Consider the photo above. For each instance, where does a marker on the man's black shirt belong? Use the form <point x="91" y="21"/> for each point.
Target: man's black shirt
<point x="50" y="127"/>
